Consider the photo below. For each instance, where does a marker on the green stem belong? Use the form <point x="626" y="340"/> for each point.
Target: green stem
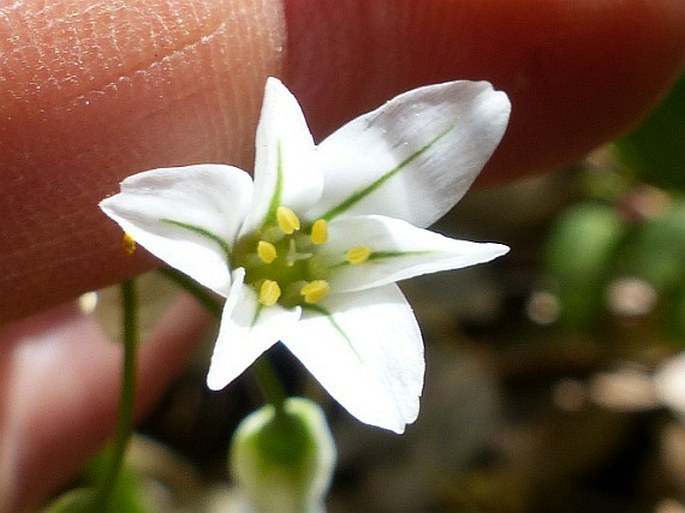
<point x="126" y="402"/>
<point x="269" y="383"/>
<point x="267" y="378"/>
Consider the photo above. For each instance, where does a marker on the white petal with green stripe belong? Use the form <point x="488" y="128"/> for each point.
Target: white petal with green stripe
<point x="247" y="330"/>
<point x="286" y="170"/>
<point x="414" y="157"/>
<point x="368" y="355"/>
<point x="187" y="216"/>
<point x="397" y="251"/>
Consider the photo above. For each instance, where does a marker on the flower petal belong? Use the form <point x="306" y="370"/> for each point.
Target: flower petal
<point x="187" y="216"/>
<point x="286" y="170"/>
<point x="247" y="330"/>
<point x="414" y="157"/>
<point x="365" y="348"/>
<point x="398" y="251"/>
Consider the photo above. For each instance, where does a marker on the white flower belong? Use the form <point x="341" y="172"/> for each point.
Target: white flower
<point x="308" y="254"/>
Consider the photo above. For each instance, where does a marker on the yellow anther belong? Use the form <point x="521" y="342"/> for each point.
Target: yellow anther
<point x="129" y="244"/>
<point x="315" y="291"/>
<point x="266" y="251"/>
<point x="287" y="220"/>
<point x="269" y="292"/>
<point x="319" y="232"/>
<point x="358" y="255"/>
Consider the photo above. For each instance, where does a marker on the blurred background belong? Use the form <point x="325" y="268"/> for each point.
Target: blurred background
<point x="554" y="376"/>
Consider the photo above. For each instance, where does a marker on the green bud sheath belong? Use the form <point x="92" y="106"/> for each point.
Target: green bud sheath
<point x="283" y="459"/>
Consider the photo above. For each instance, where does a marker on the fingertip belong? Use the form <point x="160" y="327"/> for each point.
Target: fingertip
<point x="95" y="91"/>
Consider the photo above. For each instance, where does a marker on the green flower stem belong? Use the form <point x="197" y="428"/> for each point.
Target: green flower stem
<point x="269" y="383"/>
<point x="267" y="378"/>
<point x="126" y="405"/>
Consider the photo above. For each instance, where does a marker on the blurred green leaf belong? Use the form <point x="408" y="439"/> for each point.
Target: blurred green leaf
<point x="675" y="321"/>
<point x="655" y="150"/>
<point x="656" y="251"/>
<point x="126" y="494"/>
<point x="579" y="256"/>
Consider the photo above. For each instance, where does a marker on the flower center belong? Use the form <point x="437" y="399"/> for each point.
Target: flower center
<point x="279" y="260"/>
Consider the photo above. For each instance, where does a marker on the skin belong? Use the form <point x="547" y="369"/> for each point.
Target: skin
<point x="93" y="91"/>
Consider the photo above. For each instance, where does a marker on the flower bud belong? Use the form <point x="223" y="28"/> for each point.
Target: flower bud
<point x="283" y="459"/>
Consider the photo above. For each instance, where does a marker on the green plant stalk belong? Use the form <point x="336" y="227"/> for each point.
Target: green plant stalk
<point x="124" y="427"/>
<point x="267" y="378"/>
<point x="269" y="383"/>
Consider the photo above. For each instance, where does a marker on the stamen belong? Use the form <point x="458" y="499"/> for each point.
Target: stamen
<point x="358" y="255"/>
<point x="319" y="233"/>
<point x="129" y="244"/>
<point x="287" y="220"/>
<point x="315" y="291"/>
<point x="269" y="293"/>
<point x="266" y="251"/>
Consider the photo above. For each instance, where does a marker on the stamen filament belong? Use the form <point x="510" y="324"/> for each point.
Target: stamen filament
<point x="358" y="255"/>
<point x="315" y="291"/>
<point x="269" y="293"/>
<point x="287" y="220"/>
<point x="319" y="233"/>
<point x="266" y="251"/>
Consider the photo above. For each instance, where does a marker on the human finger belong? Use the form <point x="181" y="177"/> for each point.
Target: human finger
<point x="171" y="81"/>
<point x="577" y="73"/>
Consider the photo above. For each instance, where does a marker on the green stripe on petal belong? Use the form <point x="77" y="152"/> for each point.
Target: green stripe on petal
<point x="329" y="316"/>
<point x="287" y="168"/>
<point x="241" y="340"/>
<point x="188" y="217"/>
<point x="198" y="230"/>
<point x="468" y="119"/>
<point x="322" y="311"/>
<point x="398" y="251"/>
<point x="277" y="196"/>
<point x="360" y="195"/>
<point x="381" y="255"/>
<point x="257" y="313"/>
<point x="379" y="381"/>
